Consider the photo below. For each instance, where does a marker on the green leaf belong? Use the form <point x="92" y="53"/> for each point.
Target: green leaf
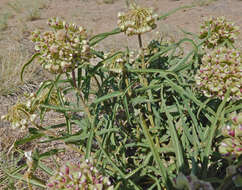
<point x="96" y="39"/>
<point x="28" y="139"/>
<point x="26" y="64"/>
<point x="175" y="142"/>
<point x="46" y="169"/>
<point x="108" y="96"/>
<point x="75" y="138"/>
<point x="213" y="128"/>
<point x="162" y="168"/>
<point x="173" y="11"/>
<point x="61" y="108"/>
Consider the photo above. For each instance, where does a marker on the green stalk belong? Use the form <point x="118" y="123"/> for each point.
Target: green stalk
<point x="145" y="83"/>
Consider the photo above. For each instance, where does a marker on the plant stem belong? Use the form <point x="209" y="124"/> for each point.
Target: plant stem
<point x="145" y="83"/>
<point x="86" y="109"/>
<point x="79" y="93"/>
<point x="98" y="84"/>
<point x="140" y="41"/>
<point x="74" y="78"/>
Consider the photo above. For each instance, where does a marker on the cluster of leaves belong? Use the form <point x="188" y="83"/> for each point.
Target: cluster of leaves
<point x="144" y="120"/>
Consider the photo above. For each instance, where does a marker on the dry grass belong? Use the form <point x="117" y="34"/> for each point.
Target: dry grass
<point x="4" y="21"/>
<point x="203" y="2"/>
<point x="28" y="10"/>
<point x="12" y="59"/>
<point x="15" y="53"/>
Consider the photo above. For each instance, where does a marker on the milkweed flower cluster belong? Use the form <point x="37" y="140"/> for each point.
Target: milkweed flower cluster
<point x="220" y="70"/>
<point x="81" y="176"/>
<point x="61" y="49"/>
<point x="191" y="183"/>
<point x="23" y="114"/>
<point x="137" y="20"/>
<point x="231" y="146"/>
<point x="220" y="31"/>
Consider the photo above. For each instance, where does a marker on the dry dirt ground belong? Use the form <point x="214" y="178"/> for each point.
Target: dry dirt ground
<point x="99" y="16"/>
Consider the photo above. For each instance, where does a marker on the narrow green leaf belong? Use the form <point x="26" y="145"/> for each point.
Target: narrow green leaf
<point x="174" y="10"/>
<point x="90" y="138"/>
<point x="162" y="169"/>
<point x="28" y="139"/>
<point x="108" y="96"/>
<point x="95" y="39"/>
<point x="214" y="125"/>
<point x="181" y="64"/>
<point x="175" y="142"/>
<point x="26" y="64"/>
<point x="213" y="128"/>
<point x="61" y="108"/>
<point x="50" y="153"/>
<point x="46" y="169"/>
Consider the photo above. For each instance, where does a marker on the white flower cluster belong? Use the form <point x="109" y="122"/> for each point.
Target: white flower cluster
<point x="231" y="146"/>
<point x="220" y="31"/>
<point x="60" y="50"/>
<point x="82" y="176"/>
<point x="25" y="113"/>
<point x="221" y="69"/>
<point x="137" y="21"/>
<point x="20" y="116"/>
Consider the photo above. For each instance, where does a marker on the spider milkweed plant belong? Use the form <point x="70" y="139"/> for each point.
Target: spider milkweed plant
<point x="146" y="122"/>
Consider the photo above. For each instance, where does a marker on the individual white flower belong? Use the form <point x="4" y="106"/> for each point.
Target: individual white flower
<point x="33" y="117"/>
<point x="28" y="104"/>
<point x="28" y="155"/>
<point x="3" y="117"/>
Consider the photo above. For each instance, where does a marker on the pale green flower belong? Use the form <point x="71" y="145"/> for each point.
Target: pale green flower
<point x="221" y="31"/>
<point x="220" y="70"/>
<point x="64" y="47"/>
<point x="137" y="20"/>
<point x="231" y="146"/>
